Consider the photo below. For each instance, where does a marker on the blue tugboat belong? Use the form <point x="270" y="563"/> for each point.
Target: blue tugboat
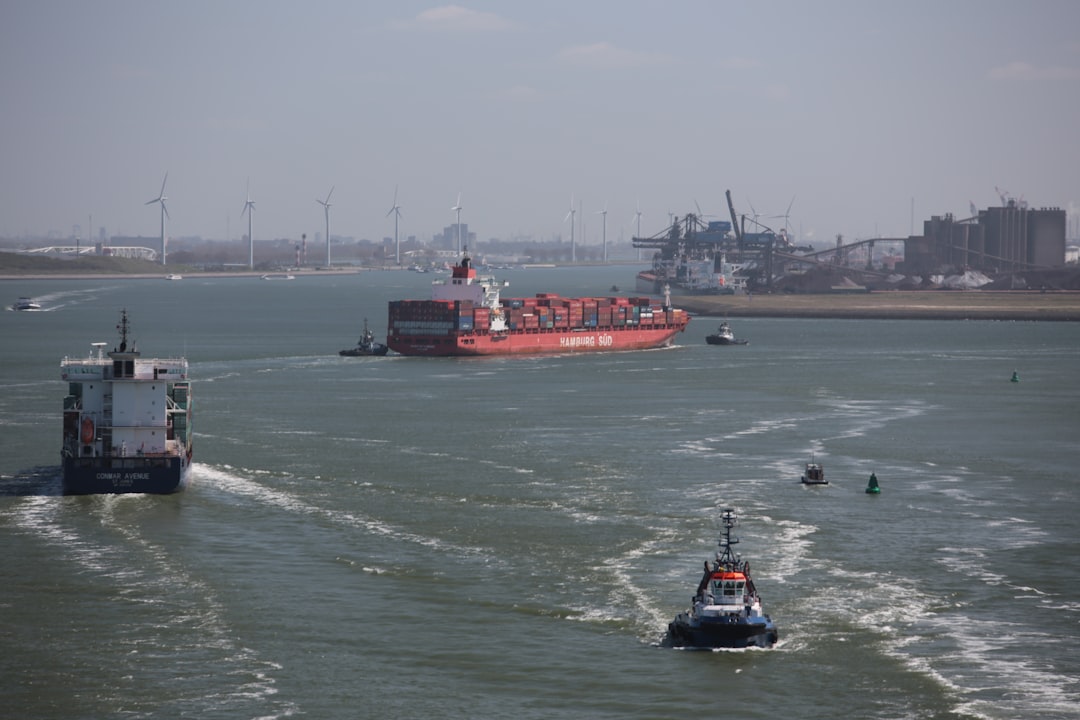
<point x="725" y="612"/>
<point x="127" y="421"/>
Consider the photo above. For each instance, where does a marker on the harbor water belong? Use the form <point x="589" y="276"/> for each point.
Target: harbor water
<point x="508" y="537"/>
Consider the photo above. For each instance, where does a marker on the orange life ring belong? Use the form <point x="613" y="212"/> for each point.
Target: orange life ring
<point x="87" y="431"/>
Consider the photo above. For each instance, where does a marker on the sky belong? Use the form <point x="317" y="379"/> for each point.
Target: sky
<point x="861" y="117"/>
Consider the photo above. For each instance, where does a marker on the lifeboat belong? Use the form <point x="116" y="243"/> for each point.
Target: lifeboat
<point x="87" y="432"/>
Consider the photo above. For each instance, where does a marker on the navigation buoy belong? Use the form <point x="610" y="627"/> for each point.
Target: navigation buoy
<point x="1015" y="377"/>
<point x="872" y="488"/>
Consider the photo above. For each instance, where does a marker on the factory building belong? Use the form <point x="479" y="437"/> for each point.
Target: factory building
<point x="998" y="239"/>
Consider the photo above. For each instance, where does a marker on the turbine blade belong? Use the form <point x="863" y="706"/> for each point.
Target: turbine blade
<point x="162" y="193"/>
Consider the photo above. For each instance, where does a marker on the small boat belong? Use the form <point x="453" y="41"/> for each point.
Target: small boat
<point x="279" y="276"/>
<point x="174" y="276"/>
<point x="366" y="345"/>
<point x="25" y="303"/>
<point x="725" y="612"/>
<point x="724" y="336"/>
<point x="872" y="488"/>
<point x="814" y="474"/>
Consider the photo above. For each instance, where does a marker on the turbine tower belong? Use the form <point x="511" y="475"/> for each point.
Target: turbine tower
<point x="249" y="208"/>
<point x="457" y="209"/>
<point x="160" y="199"/>
<point x="570" y="217"/>
<point x="638" y="216"/>
<point x="326" y="208"/>
<point x="604" y="232"/>
<point x="396" y="210"/>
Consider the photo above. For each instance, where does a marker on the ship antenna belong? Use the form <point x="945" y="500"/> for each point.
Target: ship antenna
<point x="726" y="541"/>
<point x="123" y="328"/>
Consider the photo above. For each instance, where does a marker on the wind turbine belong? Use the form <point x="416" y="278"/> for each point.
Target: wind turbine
<point x="570" y="217"/>
<point x="326" y="208"/>
<point x="160" y="199"/>
<point x="457" y="209"/>
<point x="396" y="209"/>
<point x="249" y="208"/>
<point x="604" y="232"/>
<point x="637" y="215"/>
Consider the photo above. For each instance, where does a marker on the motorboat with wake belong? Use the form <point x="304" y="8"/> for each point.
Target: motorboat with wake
<point x="725" y="612"/>
<point x="814" y="474"/>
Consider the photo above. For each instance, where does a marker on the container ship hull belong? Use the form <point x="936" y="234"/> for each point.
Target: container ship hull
<point x="531" y="342"/>
<point x="465" y="316"/>
<point x="125" y="475"/>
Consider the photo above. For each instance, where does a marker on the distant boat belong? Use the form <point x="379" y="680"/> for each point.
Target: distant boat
<point x="278" y="276"/>
<point x="25" y="303"/>
<point x="724" y="336"/>
<point x="814" y="474"/>
<point x="174" y="276"/>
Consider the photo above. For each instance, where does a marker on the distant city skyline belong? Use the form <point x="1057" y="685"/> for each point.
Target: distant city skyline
<point x="860" y="119"/>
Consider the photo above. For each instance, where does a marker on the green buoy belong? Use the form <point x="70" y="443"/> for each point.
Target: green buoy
<point x="1015" y="377"/>
<point x="872" y="488"/>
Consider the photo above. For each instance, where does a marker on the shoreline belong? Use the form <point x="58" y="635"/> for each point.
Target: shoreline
<point x="1021" y="305"/>
<point x="1057" y="306"/>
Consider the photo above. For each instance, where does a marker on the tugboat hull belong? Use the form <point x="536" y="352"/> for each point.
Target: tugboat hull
<point x="683" y="632"/>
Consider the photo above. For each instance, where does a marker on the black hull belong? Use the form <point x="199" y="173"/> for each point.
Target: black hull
<point x="376" y="350"/>
<point x="683" y="632"/>
<point x="157" y="475"/>
<point x="715" y="340"/>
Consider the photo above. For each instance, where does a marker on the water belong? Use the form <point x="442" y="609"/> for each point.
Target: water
<point x="463" y="538"/>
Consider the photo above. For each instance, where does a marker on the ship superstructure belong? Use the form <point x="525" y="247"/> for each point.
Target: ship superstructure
<point x="466" y="315"/>
<point x="127" y="421"/>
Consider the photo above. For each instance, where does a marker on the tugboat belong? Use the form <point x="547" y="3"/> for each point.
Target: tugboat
<point x="814" y="475"/>
<point x="366" y="345"/>
<point x="726" y="610"/>
<point x="724" y="336"/>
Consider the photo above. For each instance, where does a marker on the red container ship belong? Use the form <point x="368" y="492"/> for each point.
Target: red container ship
<point x="465" y="316"/>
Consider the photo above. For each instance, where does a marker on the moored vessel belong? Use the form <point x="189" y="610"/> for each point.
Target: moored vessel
<point x="726" y="611"/>
<point x="467" y="316"/>
<point x="127" y="421"/>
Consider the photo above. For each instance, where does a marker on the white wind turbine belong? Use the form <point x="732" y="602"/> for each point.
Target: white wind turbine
<point x="249" y="208"/>
<point x="570" y="217"/>
<point x="604" y="232"/>
<point x="457" y="209"/>
<point x="326" y="208"/>
<point x="396" y="210"/>
<point x="637" y="215"/>
<point x="160" y="199"/>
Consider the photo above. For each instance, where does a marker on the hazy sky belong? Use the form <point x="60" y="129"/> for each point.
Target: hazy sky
<point x="851" y="109"/>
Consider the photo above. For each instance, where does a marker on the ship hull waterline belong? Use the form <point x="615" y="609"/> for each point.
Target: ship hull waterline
<point x="533" y="343"/>
<point x="720" y="634"/>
